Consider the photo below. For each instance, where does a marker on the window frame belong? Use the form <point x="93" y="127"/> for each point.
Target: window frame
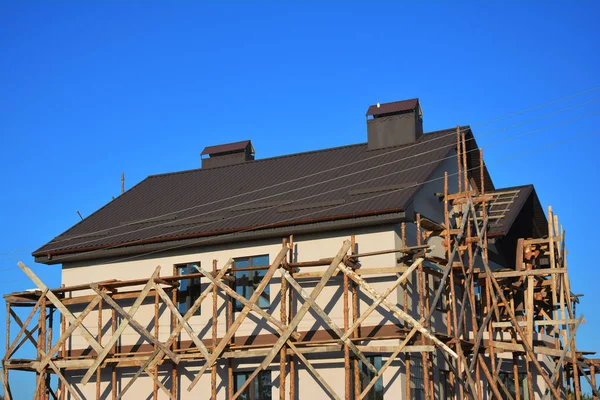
<point x="365" y="375"/>
<point x="189" y="284"/>
<point x="260" y="273"/>
<point x="442" y="304"/>
<point x="250" y="389"/>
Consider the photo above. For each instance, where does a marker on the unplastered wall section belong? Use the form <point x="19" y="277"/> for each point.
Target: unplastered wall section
<point x="306" y="248"/>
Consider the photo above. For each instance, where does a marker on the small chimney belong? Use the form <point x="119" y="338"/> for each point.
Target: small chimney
<point x="394" y="124"/>
<point x="227" y="154"/>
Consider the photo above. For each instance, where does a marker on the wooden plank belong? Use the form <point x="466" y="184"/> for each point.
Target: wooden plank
<point x="389" y="362"/>
<point x="242" y="316"/>
<point x="388" y="291"/>
<point x="67" y="333"/>
<point x="508" y="324"/>
<point x="306" y="306"/>
<point x="138" y="327"/>
<point x="61" y="307"/>
<point x="373" y="294"/>
<point x="519" y="330"/>
<point x="186" y="326"/>
<point x="317" y="376"/>
<point x="156" y="358"/>
<point x="246" y="302"/>
<point x="527" y="273"/>
<point x="103" y="352"/>
<point x="327" y="319"/>
<point x="10" y="351"/>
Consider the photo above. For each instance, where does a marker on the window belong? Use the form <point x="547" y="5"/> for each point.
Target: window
<point x="258" y="389"/>
<point x="189" y="289"/>
<point x="417" y="386"/>
<point x="508" y="378"/>
<point x="366" y="376"/>
<point x="442" y="304"/>
<point x="247" y="278"/>
<point x="445" y="392"/>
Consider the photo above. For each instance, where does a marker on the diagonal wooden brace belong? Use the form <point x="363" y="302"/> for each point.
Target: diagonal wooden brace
<point x="327" y="319"/>
<point x="138" y="327"/>
<point x="157" y="356"/>
<point x="67" y="333"/>
<point x="375" y="295"/>
<point x="61" y="307"/>
<point x="103" y="353"/>
<point x="186" y="326"/>
<point x="304" y="309"/>
<point x="375" y="304"/>
<point x="14" y="346"/>
<point x="242" y="316"/>
<point x="29" y="336"/>
<point x="389" y="362"/>
<point x="244" y="301"/>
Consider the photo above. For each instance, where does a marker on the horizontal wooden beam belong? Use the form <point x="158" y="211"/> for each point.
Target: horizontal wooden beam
<point x="537" y="323"/>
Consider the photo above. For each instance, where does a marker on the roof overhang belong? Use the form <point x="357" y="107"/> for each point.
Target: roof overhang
<point x="115" y="254"/>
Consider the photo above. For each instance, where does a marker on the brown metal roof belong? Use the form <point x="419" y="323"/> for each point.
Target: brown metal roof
<point x="396" y="106"/>
<point x="226" y="148"/>
<point x="512" y="203"/>
<point x="280" y="191"/>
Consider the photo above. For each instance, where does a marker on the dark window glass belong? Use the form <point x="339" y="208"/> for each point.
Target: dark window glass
<point x="366" y="376"/>
<point x="189" y="289"/>
<point x="247" y="279"/>
<point x="258" y="389"/>
<point x="445" y="392"/>
<point x="442" y="304"/>
<point x="508" y="378"/>
<point x="417" y="386"/>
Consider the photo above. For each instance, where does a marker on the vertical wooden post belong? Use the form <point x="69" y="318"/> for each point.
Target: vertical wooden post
<point x="355" y="316"/>
<point x="576" y="382"/>
<point x="593" y="379"/>
<point x="156" y="333"/>
<point x="4" y="369"/>
<point x="422" y="312"/>
<point x="407" y="372"/>
<point x="42" y="348"/>
<point x="49" y="343"/>
<point x="283" y="350"/>
<point x="458" y="158"/>
<point x="213" y="371"/>
<point x="516" y="376"/>
<point x="230" y="383"/>
<point x="347" y="365"/>
<point x="174" y="372"/>
<point x="99" y="370"/>
<point x="63" y="353"/>
<point x="113" y="370"/>
<point x="291" y="297"/>
<point x="529" y="316"/>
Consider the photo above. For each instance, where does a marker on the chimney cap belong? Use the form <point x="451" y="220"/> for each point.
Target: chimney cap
<point x="394" y="107"/>
<point x="228" y="148"/>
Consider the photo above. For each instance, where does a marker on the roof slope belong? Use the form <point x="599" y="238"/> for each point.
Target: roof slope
<point x="508" y="204"/>
<point x="331" y="184"/>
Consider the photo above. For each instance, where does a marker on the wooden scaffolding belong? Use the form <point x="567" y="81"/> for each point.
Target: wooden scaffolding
<point x="520" y="319"/>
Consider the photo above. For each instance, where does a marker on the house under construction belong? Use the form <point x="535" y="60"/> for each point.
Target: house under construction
<point x="384" y="270"/>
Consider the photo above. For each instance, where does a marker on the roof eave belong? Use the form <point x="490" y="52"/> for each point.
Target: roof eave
<point x="326" y="224"/>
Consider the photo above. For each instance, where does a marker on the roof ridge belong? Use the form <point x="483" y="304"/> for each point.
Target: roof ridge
<point x="303" y="153"/>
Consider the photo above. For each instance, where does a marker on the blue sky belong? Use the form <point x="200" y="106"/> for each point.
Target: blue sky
<point x="89" y="90"/>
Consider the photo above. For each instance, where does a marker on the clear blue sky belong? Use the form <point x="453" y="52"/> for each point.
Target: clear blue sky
<point x="92" y="89"/>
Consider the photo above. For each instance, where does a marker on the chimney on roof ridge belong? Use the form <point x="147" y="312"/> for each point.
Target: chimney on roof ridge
<point x="227" y="154"/>
<point x="394" y="124"/>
